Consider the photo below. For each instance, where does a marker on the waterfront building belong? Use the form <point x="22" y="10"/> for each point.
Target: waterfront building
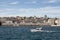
<point x="7" y="22"/>
<point x="3" y="19"/>
<point x="57" y="21"/>
<point x="29" y="21"/>
<point x="51" y="21"/>
<point x="35" y="17"/>
<point x="15" y="24"/>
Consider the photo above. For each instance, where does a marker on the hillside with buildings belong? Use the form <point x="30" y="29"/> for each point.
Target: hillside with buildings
<point x="17" y="21"/>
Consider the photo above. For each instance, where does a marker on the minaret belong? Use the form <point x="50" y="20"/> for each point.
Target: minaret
<point x="45" y="16"/>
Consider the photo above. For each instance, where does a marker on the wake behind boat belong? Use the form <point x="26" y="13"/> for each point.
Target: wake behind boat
<point x="40" y="30"/>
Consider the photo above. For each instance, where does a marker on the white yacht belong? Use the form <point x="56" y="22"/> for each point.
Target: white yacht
<point x="36" y="30"/>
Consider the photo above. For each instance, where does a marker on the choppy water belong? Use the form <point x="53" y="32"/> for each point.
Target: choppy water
<point x="23" y="33"/>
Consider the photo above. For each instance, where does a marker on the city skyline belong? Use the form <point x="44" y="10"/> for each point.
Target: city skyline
<point x="30" y="8"/>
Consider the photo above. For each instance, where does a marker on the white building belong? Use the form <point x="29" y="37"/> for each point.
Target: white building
<point x="57" y="21"/>
<point x="51" y="21"/>
<point x="7" y="23"/>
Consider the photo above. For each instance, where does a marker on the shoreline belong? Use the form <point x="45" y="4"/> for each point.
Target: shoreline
<point x="31" y="26"/>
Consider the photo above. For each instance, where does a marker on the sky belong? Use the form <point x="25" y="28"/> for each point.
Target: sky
<point x="38" y="8"/>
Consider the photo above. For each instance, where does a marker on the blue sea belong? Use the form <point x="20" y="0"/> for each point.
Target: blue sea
<point x="24" y="33"/>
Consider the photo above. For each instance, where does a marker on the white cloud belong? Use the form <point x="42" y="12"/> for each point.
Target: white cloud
<point x="16" y="2"/>
<point x="31" y="2"/>
<point x="50" y="1"/>
<point x="1" y="10"/>
<point x="50" y="11"/>
<point x="34" y="2"/>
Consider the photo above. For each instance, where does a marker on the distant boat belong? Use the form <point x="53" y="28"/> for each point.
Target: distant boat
<point x="40" y="30"/>
<point x="36" y="30"/>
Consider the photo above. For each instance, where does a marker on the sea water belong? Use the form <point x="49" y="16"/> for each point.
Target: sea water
<point x="24" y="33"/>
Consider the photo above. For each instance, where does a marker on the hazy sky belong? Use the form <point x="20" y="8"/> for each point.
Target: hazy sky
<point x="30" y="8"/>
